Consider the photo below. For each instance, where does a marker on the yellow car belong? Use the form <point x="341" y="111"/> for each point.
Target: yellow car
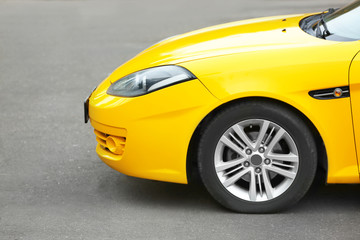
<point x="255" y="106"/>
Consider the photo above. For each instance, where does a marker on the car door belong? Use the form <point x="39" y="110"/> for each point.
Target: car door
<point x="354" y="85"/>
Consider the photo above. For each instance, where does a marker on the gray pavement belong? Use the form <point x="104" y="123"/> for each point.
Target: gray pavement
<point x="52" y="184"/>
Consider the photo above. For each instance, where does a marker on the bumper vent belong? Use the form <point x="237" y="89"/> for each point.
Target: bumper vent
<point x="112" y="144"/>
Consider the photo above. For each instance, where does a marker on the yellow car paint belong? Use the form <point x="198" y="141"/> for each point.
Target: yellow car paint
<point x="354" y="83"/>
<point x="157" y="131"/>
<point x="267" y="57"/>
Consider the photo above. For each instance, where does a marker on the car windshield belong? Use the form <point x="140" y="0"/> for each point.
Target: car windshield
<point x="345" y="22"/>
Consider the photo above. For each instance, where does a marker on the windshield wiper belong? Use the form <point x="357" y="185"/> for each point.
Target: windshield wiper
<point x="326" y="32"/>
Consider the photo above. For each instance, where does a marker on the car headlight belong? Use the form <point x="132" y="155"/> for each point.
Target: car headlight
<point x="149" y="80"/>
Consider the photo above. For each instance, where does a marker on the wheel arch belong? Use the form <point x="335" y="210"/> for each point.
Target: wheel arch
<point x="191" y="160"/>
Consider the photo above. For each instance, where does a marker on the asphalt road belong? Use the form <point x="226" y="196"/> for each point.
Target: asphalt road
<point x="53" y="185"/>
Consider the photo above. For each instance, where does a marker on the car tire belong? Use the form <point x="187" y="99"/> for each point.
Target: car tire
<point x="251" y="175"/>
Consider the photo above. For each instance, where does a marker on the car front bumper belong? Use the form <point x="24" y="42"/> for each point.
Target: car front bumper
<point x="154" y="130"/>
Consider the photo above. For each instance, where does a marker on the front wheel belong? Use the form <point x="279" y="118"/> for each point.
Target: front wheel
<point x="257" y="157"/>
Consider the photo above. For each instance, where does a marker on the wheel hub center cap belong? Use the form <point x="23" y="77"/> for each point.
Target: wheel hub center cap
<point x="256" y="160"/>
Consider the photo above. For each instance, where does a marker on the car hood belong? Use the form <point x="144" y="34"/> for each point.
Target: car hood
<point x="230" y="38"/>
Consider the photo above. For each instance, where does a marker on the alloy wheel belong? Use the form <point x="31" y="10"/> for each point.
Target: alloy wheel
<point x="256" y="160"/>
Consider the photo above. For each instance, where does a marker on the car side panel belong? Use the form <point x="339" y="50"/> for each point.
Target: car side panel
<point x="288" y="74"/>
<point x="354" y="83"/>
